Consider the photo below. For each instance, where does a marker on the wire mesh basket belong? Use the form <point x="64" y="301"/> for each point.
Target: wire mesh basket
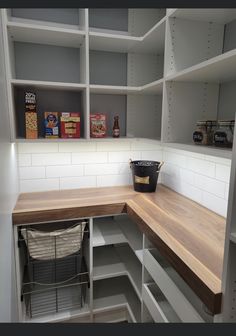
<point x="55" y="276"/>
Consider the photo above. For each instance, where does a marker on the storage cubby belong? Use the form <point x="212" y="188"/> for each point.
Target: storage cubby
<point x="110" y="105"/>
<point x="47" y="100"/>
<point x="108" y="68"/>
<point x="46" y="63"/>
<point x="144" y="115"/>
<point x="193" y="101"/>
<point x="118" y="291"/>
<point x="133" y="22"/>
<point x="60" y="17"/>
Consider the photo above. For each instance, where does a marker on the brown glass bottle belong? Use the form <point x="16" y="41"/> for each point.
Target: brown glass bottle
<point x="116" y="128"/>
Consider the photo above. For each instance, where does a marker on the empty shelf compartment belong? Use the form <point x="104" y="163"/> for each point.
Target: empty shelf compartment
<point x="158" y="306"/>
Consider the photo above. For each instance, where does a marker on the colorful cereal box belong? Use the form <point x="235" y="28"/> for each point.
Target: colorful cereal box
<point x="51" y="123"/>
<point x="98" y="127"/>
<point x="70" y="125"/>
<point x="31" y="124"/>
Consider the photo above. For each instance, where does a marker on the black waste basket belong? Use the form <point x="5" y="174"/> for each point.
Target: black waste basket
<point x="145" y="174"/>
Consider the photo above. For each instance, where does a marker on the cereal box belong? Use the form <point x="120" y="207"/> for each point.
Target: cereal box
<point x="70" y="125"/>
<point x="31" y="124"/>
<point x="98" y="127"/>
<point x="51" y="123"/>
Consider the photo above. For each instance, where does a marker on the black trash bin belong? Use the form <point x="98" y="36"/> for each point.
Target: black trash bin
<point x="145" y="174"/>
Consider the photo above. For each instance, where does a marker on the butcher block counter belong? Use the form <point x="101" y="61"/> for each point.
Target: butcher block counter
<point x="188" y="235"/>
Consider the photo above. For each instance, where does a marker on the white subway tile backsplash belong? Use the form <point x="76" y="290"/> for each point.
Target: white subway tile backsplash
<point x="78" y="182"/>
<point x="97" y="163"/>
<point x="65" y="171"/>
<point x="123" y="156"/>
<point x="191" y="192"/>
<point x="116" y="145"/>
<point x="27" y="173"/>
<point x="77" y="147"/>
<point x="187" y="176"/>
<point x="142" y="145"/>
<point x="223" y="172"/>
<point x="152" y="155"/>
<point x="102" y="169"/>
<point x="211" y="185"/>
<point x="39" y="185"/>
<point x="91" y="157"/>
<point x="24" y="160"/>
<point x="38" y="147"/>
<point x="176" y="159"/>
<point x="113" y="180"/>
<point x="200" y="166"/>
<point x="214" y="203"/>
<point x="51" y="159"/>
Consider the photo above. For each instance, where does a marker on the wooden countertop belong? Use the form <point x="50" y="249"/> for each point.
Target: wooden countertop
<point x="190" y="236"/>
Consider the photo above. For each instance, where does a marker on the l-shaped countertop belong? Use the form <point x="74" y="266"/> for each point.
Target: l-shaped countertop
<point x="189" y="235"/>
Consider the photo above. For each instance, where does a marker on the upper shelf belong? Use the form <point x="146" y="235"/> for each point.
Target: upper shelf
<point x="33" y="33"/>
<point x="221" y="68"/>
<point x="217" y="15"/>
<point x="48" y="85"/>
<point x="150" y="88"/>
<point x="152" y="42"/>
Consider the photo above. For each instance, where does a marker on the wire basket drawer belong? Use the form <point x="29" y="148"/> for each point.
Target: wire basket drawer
<point x="55" y="275"/>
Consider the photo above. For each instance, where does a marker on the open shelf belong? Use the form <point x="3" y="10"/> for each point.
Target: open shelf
<point x="50" y="97"/>
<point x="132" y="234"/>
<point x="155" y="87"/>
<point x="218" y="69"/>
<point x="158" y="306"/>
<point x="151" y="42"/>
<point x="217" y="15"/>
<point x="107" y="232"/>
<point x="206" y="150"/>
<point x="70" y="18"/>
<point x="32" y="33"/>
<point x="112" y="89"/>
<point x="48" y="85"/>
<point x="119" y="260"/>
<point x="116" y="292"/>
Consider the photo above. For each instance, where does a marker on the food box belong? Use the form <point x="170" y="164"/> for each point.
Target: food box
<point x="98" y="127"/>
<point x="51" y="124"/>
<point x="31" y="123"/>
<point x="70" y="125"/>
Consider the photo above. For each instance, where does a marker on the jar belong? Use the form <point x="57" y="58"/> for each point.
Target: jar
<point x="204" y="132"/>
<point x="224" y="134"/>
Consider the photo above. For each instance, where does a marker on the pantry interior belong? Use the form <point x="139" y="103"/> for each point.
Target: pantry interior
<point x="160" y="71"/>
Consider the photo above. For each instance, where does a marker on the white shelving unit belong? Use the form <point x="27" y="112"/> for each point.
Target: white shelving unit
<point x="137" y="54"/>
<point x="106" y="232"/>
<point x="132" y="234"/>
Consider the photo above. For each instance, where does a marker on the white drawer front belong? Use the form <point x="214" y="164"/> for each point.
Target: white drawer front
<point x="152" y="305"/>
<point x="175" y="297"/>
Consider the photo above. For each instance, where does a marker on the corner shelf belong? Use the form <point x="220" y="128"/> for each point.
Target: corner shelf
<point x="106" y="232"/>
<point x="114" y="261"/>
<point x="218" y="69"/>
<point x="206" y="150"/>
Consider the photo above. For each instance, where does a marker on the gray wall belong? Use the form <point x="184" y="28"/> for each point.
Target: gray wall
<point x="109" y="18"/>
<point x="8" y="194"/>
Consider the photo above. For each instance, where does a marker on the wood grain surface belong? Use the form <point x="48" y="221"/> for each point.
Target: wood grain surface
<point x="190" y="236"/>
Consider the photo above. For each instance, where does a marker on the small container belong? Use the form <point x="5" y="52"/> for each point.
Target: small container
<point x="204" y="132"/>
<point x="145" y="174"/>
<point x="223" y="135"/>
<point x="116" y="128"/>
